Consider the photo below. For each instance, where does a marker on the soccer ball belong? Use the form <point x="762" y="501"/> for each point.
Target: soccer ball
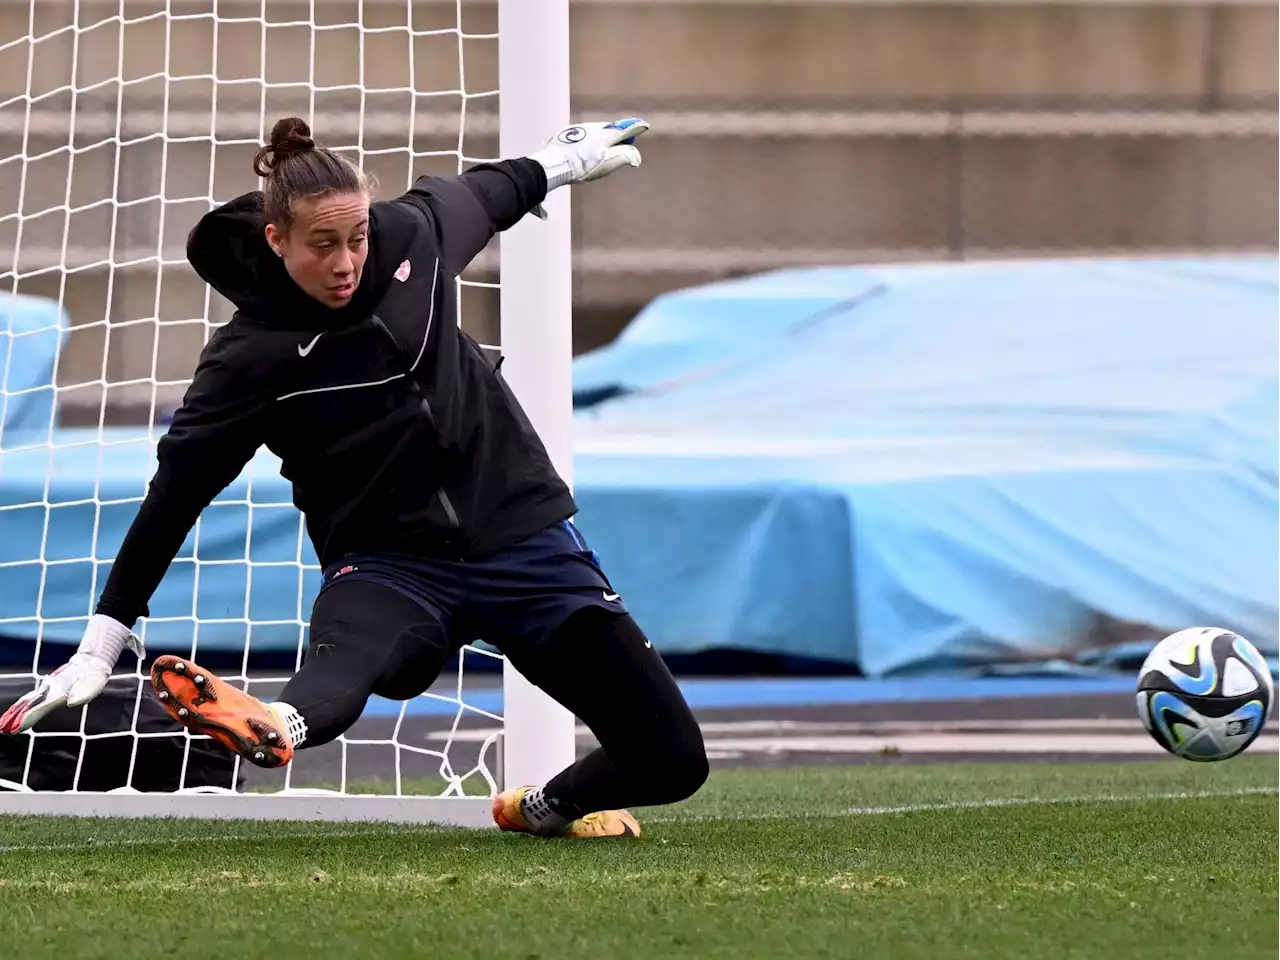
<point x="1204" y="693"/>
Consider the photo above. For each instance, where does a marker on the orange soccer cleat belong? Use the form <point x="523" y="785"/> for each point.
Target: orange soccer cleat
<point x="206" y="705"/>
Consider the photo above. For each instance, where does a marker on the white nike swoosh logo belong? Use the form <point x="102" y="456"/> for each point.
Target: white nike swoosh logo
<point x="611" y="597"/>
<point x="303" y="351"/>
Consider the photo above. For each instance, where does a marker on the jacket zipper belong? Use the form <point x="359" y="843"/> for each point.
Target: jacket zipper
<point x="448" y="508"/>
<point x="450" y="513"/>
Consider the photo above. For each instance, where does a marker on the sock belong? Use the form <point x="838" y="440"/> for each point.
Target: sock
<point x="543" y="813"/>
<point x="295" y="728"/>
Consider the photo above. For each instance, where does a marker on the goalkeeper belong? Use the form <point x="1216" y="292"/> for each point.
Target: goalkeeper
<point x="431" y="502"/>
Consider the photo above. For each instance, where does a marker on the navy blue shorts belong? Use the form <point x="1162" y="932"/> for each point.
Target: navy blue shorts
<point x="515" y="596"/>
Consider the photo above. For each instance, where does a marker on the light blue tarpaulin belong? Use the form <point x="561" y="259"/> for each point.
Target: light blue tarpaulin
<point x="907" y="469"/>
<point x="93" y="494"/>
<point x="30" y="330"/>
<point x="941" y="466"/>
<point x="67" y="499"/>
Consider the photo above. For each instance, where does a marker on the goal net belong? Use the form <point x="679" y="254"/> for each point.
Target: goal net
<point x="123" y="122"/>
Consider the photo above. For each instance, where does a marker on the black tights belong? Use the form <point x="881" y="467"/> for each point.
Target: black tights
<point x="366" y="638"/>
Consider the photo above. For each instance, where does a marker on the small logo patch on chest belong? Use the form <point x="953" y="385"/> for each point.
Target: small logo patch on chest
<point x="403" y="271"/>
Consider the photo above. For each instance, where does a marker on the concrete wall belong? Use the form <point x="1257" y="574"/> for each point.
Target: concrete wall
<point x="847" y="132"/>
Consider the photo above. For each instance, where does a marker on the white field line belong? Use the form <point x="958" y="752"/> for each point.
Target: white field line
<point x="1120" y="737"/>
<point x="953" y="805"/>
<point x="716" y="727"/>
<point x="1136" y="744"/>
<point x="192" y="838"/>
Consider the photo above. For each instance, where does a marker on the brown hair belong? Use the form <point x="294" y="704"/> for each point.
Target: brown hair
<point x="295" y="168"/>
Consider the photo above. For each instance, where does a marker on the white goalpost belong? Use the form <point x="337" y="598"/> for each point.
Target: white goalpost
<point x="121" y="122"/>
<point x="533" y="38"/>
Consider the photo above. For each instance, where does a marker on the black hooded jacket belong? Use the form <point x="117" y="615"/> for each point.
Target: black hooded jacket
<point x="396" y="430"/>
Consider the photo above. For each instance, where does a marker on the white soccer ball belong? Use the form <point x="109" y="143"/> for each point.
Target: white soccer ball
<point x="1204" y="693"/>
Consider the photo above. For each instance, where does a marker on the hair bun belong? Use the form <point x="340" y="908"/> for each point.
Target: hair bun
<point x="289" y="135"/>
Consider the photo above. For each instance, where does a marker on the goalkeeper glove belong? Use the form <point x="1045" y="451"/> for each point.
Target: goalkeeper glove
<point x="588" y="151"/>
<point x="78" y="680"/>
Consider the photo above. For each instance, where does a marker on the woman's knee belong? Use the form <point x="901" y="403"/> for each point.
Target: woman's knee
<point x="416" y="660"/>
<point x="687" y="770"/>
<point x="603" y="668"/>
<point x="671" y="763"/>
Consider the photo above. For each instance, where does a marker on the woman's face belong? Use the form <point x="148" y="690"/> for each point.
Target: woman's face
<point x="324" y="249"/>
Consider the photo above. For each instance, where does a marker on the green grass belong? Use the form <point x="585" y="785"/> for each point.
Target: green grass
<point x="1164" y="860"/>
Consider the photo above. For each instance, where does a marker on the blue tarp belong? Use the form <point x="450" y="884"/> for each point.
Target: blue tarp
<point x="907" y="469"/>
<point x="915" y="468"/>
<point x="54" y="558"/>
<point x="30" y="330"/>
<point x="93" y="494"/>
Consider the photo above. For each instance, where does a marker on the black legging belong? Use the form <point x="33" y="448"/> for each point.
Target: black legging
<point x="366" y="638"/>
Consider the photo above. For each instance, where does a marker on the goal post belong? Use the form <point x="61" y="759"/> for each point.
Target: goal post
<point x="536" y="328"/>
<point x="121" y="122"/>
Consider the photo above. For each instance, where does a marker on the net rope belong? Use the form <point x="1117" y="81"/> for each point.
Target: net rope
<point x="122" y="123"/>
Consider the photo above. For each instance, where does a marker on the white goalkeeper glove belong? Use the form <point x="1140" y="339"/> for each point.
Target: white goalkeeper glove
<point x="588" y="151"/>
<point x="78" y="680"/>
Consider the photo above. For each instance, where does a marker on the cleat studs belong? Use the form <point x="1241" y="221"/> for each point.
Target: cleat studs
<point x="179" y="667"/>
<point x="182" y="711"/>
<point x="258" y="755"/>
<point x="273" y="736"/>
<point x="198" y="680"/>
<point x="163" y="694"/>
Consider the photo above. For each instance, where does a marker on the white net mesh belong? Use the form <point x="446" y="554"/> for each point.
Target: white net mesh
<point x="123" y="122"/>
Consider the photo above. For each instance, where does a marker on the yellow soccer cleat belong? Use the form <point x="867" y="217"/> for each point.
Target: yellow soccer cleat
<point x="508" y="814"/>
<point x="606" y="823"/>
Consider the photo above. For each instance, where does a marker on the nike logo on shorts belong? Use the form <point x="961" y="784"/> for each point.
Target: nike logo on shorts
<point x="611" y="597"/>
